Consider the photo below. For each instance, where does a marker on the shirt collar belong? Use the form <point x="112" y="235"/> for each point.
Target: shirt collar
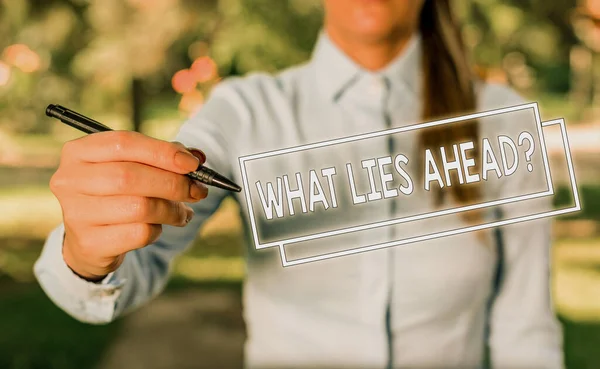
<point x="336" y="72"/>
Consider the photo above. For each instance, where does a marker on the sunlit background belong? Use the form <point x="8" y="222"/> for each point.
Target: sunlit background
<point x="147" y="65"/>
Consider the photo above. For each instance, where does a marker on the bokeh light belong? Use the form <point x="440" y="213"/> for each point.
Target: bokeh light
<point x="183" y="81"/>
<point x="22" y="57"/>
<point x="191" y="102"/>
<point x="204" y="69"/>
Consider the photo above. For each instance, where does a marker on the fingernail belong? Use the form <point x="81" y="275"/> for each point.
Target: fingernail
<point x="198" y="154"/>
<point x="198" y="190"/>
<point x="189" y="214"/>
<point x="186" y="161"/>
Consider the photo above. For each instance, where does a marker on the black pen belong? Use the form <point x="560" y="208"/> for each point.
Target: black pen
<point x="88" y="125"/>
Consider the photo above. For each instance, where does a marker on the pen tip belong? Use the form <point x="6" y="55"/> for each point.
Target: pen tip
<point x="226" y="184"/>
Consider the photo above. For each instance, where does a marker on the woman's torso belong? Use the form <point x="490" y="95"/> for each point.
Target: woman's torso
<point x="424" y="304"/>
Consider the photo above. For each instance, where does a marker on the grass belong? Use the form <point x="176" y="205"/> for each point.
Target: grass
<point x="37" y="334"/>
<point x="590" y="200"/>
<point x="581" y="342"/>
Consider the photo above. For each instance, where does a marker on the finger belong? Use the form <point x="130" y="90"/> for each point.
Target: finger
<point x="128" y="209"/>
<point x="196" y="152"/>
<point x="199" y="154"/>
<point x="121" y="238"/>
<point x="134" y="179"/>
<point x="131" y="146"/>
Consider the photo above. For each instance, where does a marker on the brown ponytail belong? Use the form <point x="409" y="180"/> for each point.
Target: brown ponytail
<point x="448" y="88"/>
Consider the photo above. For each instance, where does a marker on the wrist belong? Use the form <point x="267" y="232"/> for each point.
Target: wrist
<point x="68" y="259"/>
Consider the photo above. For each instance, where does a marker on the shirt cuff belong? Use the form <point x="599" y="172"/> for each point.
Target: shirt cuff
<point x="87" y="301"/>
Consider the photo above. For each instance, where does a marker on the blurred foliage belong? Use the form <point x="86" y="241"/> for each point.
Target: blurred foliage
<point x="266" y="35"/>
<point x="530" y="39"/>
<point x="90" y="52"/>
<point x="590" y="202"/>
<point x="97" y="55"/>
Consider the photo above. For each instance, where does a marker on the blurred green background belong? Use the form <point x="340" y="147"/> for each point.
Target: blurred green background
<point x="148" y="64"/>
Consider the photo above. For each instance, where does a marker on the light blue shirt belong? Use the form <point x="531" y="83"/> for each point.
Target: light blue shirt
<point x="418" y="305"/>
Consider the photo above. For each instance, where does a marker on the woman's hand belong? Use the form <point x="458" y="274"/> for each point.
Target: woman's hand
<point x="116" y="190"/>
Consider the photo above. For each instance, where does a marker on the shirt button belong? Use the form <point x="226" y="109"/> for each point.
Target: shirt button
<point x="105" y="292"/>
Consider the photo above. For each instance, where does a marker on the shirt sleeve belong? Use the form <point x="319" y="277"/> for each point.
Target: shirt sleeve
<point x="144" y="272"/>
<point x="524" y="330"/>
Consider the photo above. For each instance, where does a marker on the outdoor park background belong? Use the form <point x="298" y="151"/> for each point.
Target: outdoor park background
<point x="148" y="64"/>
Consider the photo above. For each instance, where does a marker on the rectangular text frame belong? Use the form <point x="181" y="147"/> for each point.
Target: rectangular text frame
<point x="280" y="243"/>
<point x="576" y="207"/>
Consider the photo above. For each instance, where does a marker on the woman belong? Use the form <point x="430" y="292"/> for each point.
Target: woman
<point x="377" y="64"/>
